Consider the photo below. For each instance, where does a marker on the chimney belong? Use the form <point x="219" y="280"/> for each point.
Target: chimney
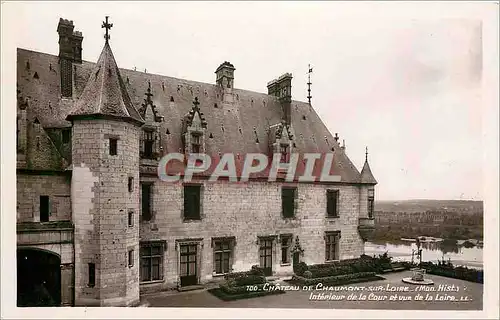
<point x="65" y="30"/>
<point x="70" y="51"/>
<point x="225" y="75"/>
<point x="282" y="88"/>
<point x="77" y="46"/>
<point x="272" y="88"/>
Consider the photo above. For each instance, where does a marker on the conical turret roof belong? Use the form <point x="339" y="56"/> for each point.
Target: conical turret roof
<point x="366" y="175"/>
<point x="105" y="93"/>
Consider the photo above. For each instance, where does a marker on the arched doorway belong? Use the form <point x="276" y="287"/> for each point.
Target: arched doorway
<point x="38" y="278"/>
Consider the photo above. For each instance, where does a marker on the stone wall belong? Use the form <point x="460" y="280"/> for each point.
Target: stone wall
<point x="100" y="208"/>
<point x="247" y="211"/>
<point x="31" y="187"/>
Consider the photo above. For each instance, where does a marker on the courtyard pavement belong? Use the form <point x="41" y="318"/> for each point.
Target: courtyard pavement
<point x="473" y="292"/>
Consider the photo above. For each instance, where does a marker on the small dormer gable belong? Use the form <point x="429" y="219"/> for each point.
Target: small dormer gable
<point x="148" y="110"/>
<point x="194" y="130"/>
<point x="150" y="142"/>
<point x="281" y="140"/>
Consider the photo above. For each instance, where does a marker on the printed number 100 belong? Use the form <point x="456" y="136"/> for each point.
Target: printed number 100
<point x="252" y="288"/>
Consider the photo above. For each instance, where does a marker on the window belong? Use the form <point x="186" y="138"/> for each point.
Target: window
<point x="152" y="261"/>
<point x="332" y="246"/>
<point x="146" y="201"/>
<point x="130" y="258"/>
<point x="285" y="155"/>
<point x="113" y="146"/>
<point x="44" y="208"/>
<point x="371" y="202"/>
<point x="148" y="144"/>
<point x="131" y="218"/>
<point x="192" y="202"/>
<point x="130" y="184"/>
<point x="266" y="255"/>
<point x="195" y="143"/>
<point x="332" y="197"/>
<point x="66" y="135"/>
<point x="91" y="275"/>
<point x="288" y="202"/>
<point x="223" y="255"/>
<point x="286" y="243"/>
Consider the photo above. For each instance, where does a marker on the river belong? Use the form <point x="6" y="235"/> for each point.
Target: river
<point x="431" y="251"/>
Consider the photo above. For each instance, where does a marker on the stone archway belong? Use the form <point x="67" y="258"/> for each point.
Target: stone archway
<point x="38" y="278"/>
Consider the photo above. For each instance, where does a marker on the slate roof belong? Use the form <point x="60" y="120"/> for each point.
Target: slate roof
<point x="234" y="127"/>
<point x="105" y="92"/>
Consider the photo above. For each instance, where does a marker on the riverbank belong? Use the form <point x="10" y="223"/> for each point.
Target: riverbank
<point x="402" y="251"/>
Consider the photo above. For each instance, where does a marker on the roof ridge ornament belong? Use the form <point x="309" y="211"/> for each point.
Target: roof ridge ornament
<point x="366" y="175"/>
<point x="149" y="101"/>
<point x="309" y="84"/>
<point x="196" y="109"/>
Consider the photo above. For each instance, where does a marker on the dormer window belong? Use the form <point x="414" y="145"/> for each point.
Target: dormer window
<point x="148" y="144"/>
<point x="194" y="130"/>
<point x="285" y="153"/>
<point x="281" y="140"/>
<point x="150" y="140"/>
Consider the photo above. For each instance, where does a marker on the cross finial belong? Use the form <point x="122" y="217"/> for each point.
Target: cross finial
<point x="366" y="154"/>
<point x="148" y="93"/>
<point x="336" y="137"/>
<point x="107" y="26"/>
<point x="310" y="70"/>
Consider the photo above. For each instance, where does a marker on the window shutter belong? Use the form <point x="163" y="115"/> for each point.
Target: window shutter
<point x="329" y="204"/>
<point x="192" y="202"/>
<point x="288" y="202"/>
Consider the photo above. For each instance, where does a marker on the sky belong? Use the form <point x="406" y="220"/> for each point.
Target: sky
<point x="403" y="79"/>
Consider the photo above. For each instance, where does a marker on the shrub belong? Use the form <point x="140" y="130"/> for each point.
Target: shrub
<point x="335" y="280"/>
<point x="307" y="274"/>
<point x="446" y="269"/>
<point x="249" y="280"/>
<point x="238" y="289"/>
<point x="300" y="268"/>
<point x="256" y="270"/>
<point x="364" y="263"/>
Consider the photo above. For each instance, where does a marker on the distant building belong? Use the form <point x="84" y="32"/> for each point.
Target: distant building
<point x="95" y="225"/>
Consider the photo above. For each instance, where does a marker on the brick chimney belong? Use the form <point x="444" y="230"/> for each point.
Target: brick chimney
<point x="70" y="51"/>
<point x="282" y="88"/>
